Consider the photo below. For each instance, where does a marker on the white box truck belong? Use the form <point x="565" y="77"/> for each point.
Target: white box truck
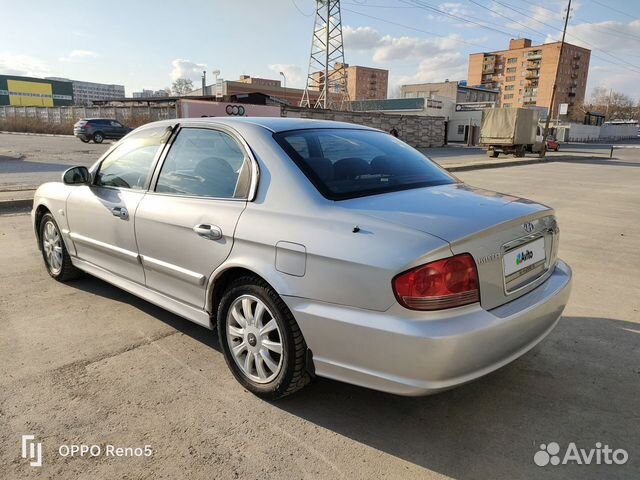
<point x="510" y="131"/>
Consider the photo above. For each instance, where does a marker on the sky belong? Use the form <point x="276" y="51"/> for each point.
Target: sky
<point x="148" y="44"/>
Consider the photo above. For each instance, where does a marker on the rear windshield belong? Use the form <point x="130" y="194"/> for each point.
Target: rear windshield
<point x="345" y="163"/>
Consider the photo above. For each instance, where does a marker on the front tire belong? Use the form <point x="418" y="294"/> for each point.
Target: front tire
<point x="261" y="341"/>
<point x="55" y="255"/>
<point x="98" y="137"/>
<point x="84" y="140"/>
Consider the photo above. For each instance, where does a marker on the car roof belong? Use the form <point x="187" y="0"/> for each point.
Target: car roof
<point x="274" y="124"/>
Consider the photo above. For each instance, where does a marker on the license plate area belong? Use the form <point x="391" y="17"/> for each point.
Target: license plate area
<point x="524" y="262"/>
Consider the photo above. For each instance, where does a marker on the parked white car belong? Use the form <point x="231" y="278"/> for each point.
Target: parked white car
<point x="317" y="248"/>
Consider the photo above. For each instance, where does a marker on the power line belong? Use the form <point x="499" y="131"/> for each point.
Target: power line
<point x="597" y="27"/>
<point x="300" y="11"/>
<point x="508" y="18"/>
<point x="614" y="9"/>
<point x="624" y="64"/>
<point x="459" y="17"/>
<point x="415" y="29"/>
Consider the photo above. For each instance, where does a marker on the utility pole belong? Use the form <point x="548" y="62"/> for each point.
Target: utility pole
<point x="204" y="83"/>
<point x="555" y="84"/>
<point x="327" y="72"/>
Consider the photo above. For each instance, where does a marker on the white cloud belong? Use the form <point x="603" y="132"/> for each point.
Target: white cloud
<point x="294" y="74"/>
<point x="388" y="48"/>
<point x="454" y="8"/>
<point x="437" y="68"/>
<point x="82" y="54"/>
<point x="76" y="55"/>
<point x="187" y="69"/>
<point x="360" y="38"/>
<point x="610" y="36"/>
<point x="11" y="64"/>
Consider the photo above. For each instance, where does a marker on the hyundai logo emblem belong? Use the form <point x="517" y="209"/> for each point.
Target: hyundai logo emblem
<point x="528" y="227"/>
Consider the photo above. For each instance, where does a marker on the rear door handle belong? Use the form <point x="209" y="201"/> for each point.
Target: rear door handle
<point x="211" y="232"/>
<point x="120" y="212"/>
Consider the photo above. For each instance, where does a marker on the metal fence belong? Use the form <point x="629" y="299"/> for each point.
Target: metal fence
<point x="63" y="115"/>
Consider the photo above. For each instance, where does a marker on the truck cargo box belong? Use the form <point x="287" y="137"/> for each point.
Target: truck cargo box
<point x="509" y="126"/>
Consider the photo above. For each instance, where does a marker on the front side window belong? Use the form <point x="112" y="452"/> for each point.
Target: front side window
<point x="204" y="163"/>
<point x="129" y="165"/>
<point x="345" y="163"/>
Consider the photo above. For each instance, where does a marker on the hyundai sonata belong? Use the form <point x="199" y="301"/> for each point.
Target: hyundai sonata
<point x="315" y="248"/>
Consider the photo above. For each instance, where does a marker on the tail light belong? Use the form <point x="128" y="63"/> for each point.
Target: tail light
<point x="451" y="282"/>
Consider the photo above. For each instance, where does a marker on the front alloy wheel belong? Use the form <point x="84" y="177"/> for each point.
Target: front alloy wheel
<point x="55" y="255"/>
<point x="52" y="247"/>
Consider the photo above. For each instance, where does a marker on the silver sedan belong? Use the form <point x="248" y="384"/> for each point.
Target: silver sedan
<point x="315" y="248"/>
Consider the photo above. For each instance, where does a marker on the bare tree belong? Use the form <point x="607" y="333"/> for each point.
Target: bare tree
<point x="182" y="86"/>
<point x="614" y="105"/>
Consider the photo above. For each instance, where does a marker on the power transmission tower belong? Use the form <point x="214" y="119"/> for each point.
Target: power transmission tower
<point x="327" y="71"/>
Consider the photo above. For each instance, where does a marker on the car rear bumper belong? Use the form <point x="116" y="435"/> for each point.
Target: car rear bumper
<point x="418" y="353"/>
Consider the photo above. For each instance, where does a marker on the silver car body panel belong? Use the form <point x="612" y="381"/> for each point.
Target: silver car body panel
<point x="335" y="278"/>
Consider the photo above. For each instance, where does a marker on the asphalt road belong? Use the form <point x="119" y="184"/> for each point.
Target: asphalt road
<point x="26" y="161"/>
<point x="85" y="362"/>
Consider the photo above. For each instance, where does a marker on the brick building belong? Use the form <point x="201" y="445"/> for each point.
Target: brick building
<point x="524" y="74"/>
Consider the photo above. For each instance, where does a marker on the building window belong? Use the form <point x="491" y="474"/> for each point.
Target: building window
<point x="509" y="96"/>
<point x="512" y="60"/>
<point x="460" y="129"/>
<point x="511" y="78"/>
<point x="507" y="105"/>
<point x="508" y="87"/>
<point x="511" y="70"/>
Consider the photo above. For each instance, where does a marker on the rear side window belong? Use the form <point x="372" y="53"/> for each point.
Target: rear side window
<point x="204" y="163"/>
<point x="344" y="163"/>
<point x="129" y="165"/>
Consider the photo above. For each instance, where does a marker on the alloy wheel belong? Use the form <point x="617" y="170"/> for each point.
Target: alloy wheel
<point x="52" y="246"/>
<point x="254" y="339"/>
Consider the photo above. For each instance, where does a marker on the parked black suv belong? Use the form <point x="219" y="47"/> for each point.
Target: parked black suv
<point x="97" y="129"/>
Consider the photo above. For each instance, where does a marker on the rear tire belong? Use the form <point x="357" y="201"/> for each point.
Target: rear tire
<point x="98" y="137"/>
<point x="261" y="341"/>
<point x="492" y="154"/>
<point x="54" y="253"/>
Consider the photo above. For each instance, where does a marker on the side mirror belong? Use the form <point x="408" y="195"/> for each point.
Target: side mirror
<point x="76" y="176"/>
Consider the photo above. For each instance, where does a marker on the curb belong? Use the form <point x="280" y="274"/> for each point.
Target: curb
<point x="10" y="206"/>
<point x="484" y="166"/>
<point x="462" y="167"/>
<point x="37" y="134"/>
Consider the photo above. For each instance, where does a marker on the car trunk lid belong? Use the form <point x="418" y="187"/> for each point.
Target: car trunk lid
<point x="493" y="227"/>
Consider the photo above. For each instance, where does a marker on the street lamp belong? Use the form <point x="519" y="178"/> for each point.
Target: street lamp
<point x="284" y="82"/>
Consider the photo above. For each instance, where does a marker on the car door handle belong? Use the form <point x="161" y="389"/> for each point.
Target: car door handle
<point x="120" y="212"/>
<point x="211" y="232"/>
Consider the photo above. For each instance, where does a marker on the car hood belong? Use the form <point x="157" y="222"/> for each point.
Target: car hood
<point x="450" y="212"/>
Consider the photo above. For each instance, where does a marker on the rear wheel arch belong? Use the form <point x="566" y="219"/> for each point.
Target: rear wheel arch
<point x="222" y="281"/>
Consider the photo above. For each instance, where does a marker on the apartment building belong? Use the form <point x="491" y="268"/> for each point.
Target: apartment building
<point x="84" y="93"/>
<point x="524" y="74"/>
<point x="363" y="83"/>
